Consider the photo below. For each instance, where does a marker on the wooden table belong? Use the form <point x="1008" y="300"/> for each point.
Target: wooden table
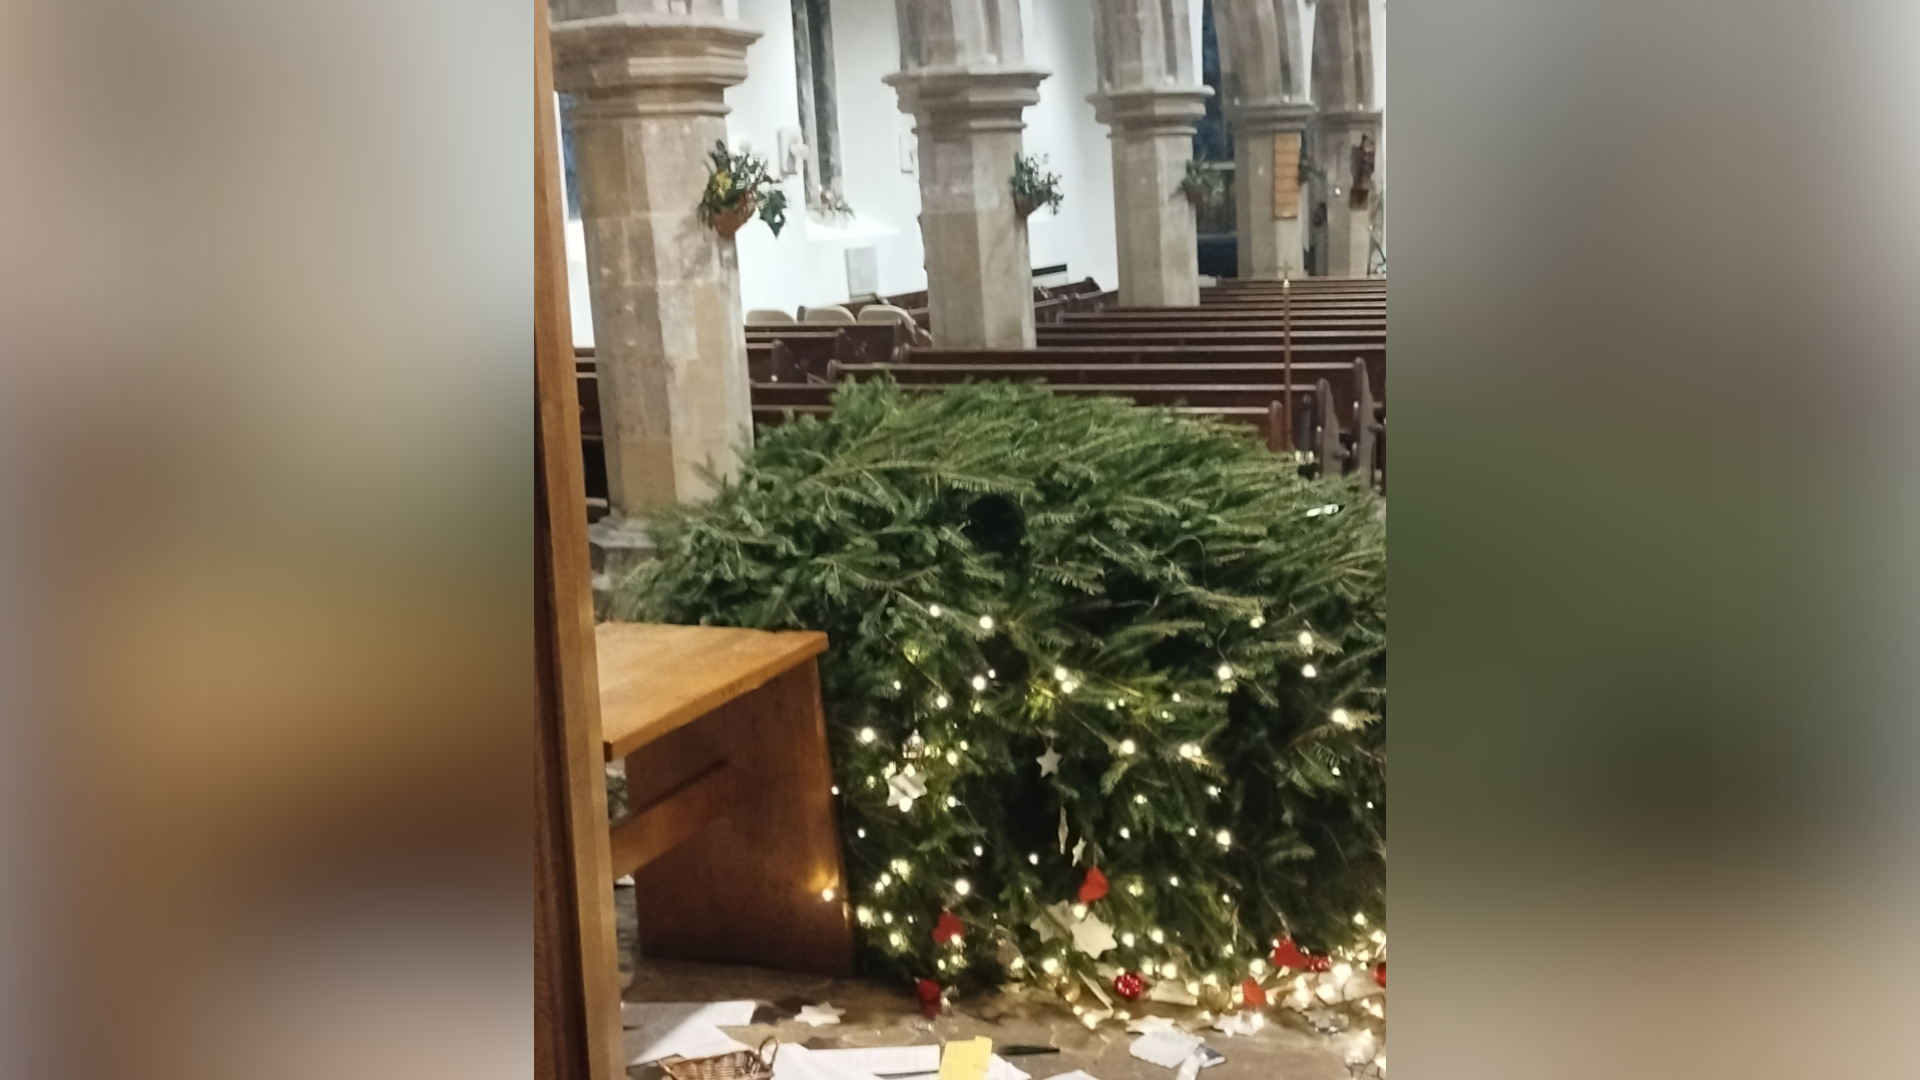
<point x="731" y="836"/>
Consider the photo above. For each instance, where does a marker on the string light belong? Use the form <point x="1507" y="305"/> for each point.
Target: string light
<point x="952" y="801"/>
<point x="1141" y="799"/>
<point x="1165" y="715"/>
<point x="887" y="917"/>
<point x="1018" y="963"/>
<point x="861" y="833"/>
<point x="895" y="939"/>
<point x="827" y="895"/>
<point x="1173" y="880"/>
<point x="1306" y="640"/>
<point x="1336" y="770"/>
<point x="979" y="682"/>
<point x="940" y="701"/>
<point x="1136" y="889"/>
<point x="1257" y="622"/>
<point x="1176" y="699"/>
<point x="986" y="622"/>
<point x="896" y="684"/>
<point x="1158" y="936"/>
<point x="963" y="745"/>
<point x="1212" y="979"/>
<point x="978" y="850"/>
<point x="1343" y="718"/>
<point x="865" y="915"/>
<point x="867" y="735"/>
<point x="1308" y="671"/>
<point x="1069" y="686"/>
<point x="1213" y="790"/>
<point x="933" y="610"/>
<point x="1126" y="833"/>
<point x="1079" y="911"/>
<point x="1113" y="706"/>
<point x="1050" y="965"/>
<point x="1223" y="838"/>
<point x="1191" y="831"/>
<point x="1127" y="746"/>
<point x="1359" y="918"/>
<point x="953" y="757"/>
<point x="1034" y="859"/>
<point x="873" y="781"/>
<point x="902" y="867"/>
<point x="1126" y="939"/>
<point x="1059" y="674"/>
<point x="963" y="886"/>
<point x="942" y="964"/>
<point x="1189" y="751"/>
<point x="1169" y="970"/>
<point x="835" y="789"/>
<point x="1369" y="804"/>
<point x="1225" y="672"/>
<point x="1257" y="967"/>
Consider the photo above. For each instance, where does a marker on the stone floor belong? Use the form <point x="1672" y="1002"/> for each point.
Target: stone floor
<point x="1287" y="1049"/>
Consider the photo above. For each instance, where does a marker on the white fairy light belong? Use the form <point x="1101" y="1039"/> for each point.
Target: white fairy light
<point x="887" y="917"/>
<point x="986" y="622"/>
<point x="1113" y="706"/>
<point x="933" y="610"/>
<point x="1306" y="640"/>
<point x="1069" y="686"/>
<point x="1050" y="965"/>
<point x="1034" y="859"/>
<point x="1165" y="715"/>
<point x="861" y="833"/>
<point x="1308" y="671"/>
<point x="953" y="757"/>
<point x="1191" y="831"/>
<point x="867" y="735"/>
<point x="1169" y="970"/>
<point x="1079" y="911"/>
<point x="1126" y="833"/>
<point x="1336" y="770"/>
<point x="952" y="801"/>
<point x="1136" y="889"/>
<point x="1059" y="674"/>
<point x="1127" y="746"/>
<point x="1173" y="880"/>
<point x="940" y="701"/>
<point x="1018" y="963"/>
<point x="1225" y="672"/>
<point x="1176" y="699"/>
<point x="963" y="746"/>
<point x="1342" y="717"/>
<point x="1127" y="939"/>
<point x="1212" y="979"/>
<point x="1257" y="967"/>
<point x="865" y="915"/>
<point x="896" y="684"/>
<point x="835" y="789"/>
<point x="1189" y="751"/>
<point x="895" y="939"/>
<point x="1157" y="935"/>
<point x="1213" y="790"/>
<point x="1257" y="622"/>
<point x="883" y="881"/>
<point x="963" y="886"/>
<point x="1141" y="799"/>
<point x="827" y="895"/>
<point x="942" y="964"/>
<point x="1223" y="838"/>
<point x="1342" y="972"/>
<point x="979" y="682"/>
<point x="1359" y="918"/>
<point x="1369" y="804"/>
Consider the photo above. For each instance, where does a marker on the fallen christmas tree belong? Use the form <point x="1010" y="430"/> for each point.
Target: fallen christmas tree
<point x="1106" y="693"/>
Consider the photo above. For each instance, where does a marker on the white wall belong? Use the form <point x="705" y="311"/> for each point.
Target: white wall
<point x="806" y="264"/>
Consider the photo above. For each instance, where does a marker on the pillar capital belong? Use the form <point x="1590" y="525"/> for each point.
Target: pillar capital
<point x="1151" y="110"/>
<point x="1269" y="117"/>
<point x="1348" y="120"/>
<point x="953" y="98"/>
<point x="643" y="63"/>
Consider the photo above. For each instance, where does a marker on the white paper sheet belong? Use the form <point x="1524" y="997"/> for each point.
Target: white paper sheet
<point x="906" y="1063"/>
<point x="687" y="1028"/>
<point x="1076" y="1074"/>
<point x="1165" y="1048"/>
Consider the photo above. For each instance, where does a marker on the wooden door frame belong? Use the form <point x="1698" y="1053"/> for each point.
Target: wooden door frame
<point x="576" y="1005"/>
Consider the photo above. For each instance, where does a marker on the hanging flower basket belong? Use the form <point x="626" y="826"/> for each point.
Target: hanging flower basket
<point x="738" y="188"/>
<point x="1023" y="206"/>
<point x="1202" y="185"/>
<point x="728" y="221"/>
<point x="1033" y="189"/>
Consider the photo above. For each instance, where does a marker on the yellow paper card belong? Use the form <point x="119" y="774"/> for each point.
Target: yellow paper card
<point x="966" y="1060"/>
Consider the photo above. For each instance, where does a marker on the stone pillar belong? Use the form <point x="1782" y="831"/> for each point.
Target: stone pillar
<point x="979" y="275"/>
<point x="1152" y="135"/>
<point x="668" y="335"/>
<point x="1349" y="236"/>
<point x="1271" y="204"/>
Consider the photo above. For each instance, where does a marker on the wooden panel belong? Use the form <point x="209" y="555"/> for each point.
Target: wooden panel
<point x="576" y="1005"/>
<point x="747" y="889"/>
<point x="655" y="678"/>
<point x="674" y="819"/>
<point x="1286" y="174"/>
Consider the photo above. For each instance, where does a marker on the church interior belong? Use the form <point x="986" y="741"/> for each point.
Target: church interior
<point x="963" y="431"/>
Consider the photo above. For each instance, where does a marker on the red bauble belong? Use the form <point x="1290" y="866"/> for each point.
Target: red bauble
<point x="1380" y="974"/>
<point x="1129" y="985"/>
<point x="1094" y="887"/>
<point x="948" y="928"/>
<point x="1288" y="955"/>
<point x="929" y="997"/>
<point x="1251" y="995"/>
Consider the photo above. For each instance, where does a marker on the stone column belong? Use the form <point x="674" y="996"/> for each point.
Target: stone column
<point x="979" y="275"/>
<point x="668" y="333"/>
<point x="1349" y="239"/>
<point x="1152" y="135"/>
<point x="1271" y="206"/>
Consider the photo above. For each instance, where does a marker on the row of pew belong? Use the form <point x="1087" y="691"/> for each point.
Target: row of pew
<point x="1304" y="363"/>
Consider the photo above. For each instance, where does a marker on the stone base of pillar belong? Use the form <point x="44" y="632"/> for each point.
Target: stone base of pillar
<point x="1272" y="235"/>
<point x="1152" y="136"/>
<point x="979" y="273"/>
<point x="1349" y="227"/>
<point x="617" y="547"/>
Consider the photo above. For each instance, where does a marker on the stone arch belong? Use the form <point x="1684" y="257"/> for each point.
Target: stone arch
<point x="1262" y="56"/>
<point x="1343" y="55"/>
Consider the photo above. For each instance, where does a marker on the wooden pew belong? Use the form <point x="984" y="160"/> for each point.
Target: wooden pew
<point x="1375" y="357"/>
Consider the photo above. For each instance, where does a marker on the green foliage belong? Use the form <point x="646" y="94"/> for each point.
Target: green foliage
<point x="1033" y="189"/>
<point x="736" y="179"/>
<point x="1203" y="185"/>
<point x="1002" y="571"/>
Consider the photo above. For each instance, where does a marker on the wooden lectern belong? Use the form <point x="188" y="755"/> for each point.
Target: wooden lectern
<point x="731" y="836"/>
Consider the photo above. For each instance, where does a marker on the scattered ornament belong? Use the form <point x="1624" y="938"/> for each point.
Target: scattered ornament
<point x="1097" y="992"/>
<point x="1093" y="937"/>
<point x="1240" y="1023"/>
<point x="1171" y="992"/>
<point x="1063" y="830"/>
<point x="1327" y="1023"/>
<point x="1166" y="1048"/>
<point x="903" y="788"/>
<point x="1380" y="974"/>
<point x="1329" y="993"/>
<point x="1359" y="985"/>
<point x="1252" y="995"/>
<point x="818" y="1015"/>
<point x="1145" y="1024"/>
<point x="948" y="928"/>
<point x="1360" y="1049"/>
<point x="1094" y="887"/>
<point x="1079" y="849"/>
<point x="930" y="1002"/>
<point x="1049" y="763"/>
<point x="1301" y="998"/>
<point x="1054" y="922"/>
<point x="914" y="748"/>
<point x="1129" y="985"/>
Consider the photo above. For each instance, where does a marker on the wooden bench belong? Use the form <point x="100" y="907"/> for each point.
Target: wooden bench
<point x="731" y="837"/>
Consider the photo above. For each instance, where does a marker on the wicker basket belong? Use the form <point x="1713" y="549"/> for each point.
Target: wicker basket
<point x="739" y="1065"/>
<point x="728" y="222"/>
